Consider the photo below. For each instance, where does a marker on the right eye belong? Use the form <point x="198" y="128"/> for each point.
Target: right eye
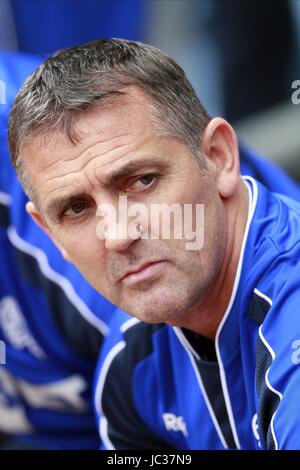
<point x="75" y="209"/>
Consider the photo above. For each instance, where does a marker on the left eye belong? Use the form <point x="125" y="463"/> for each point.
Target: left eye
<point x="143" y="181"/>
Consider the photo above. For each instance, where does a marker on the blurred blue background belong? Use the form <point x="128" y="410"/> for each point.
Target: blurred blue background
<point x="240" y="55"/>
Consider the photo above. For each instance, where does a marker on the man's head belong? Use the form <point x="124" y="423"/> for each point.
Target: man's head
<point x="115" y="118"/>
<point x="74" y="80"/>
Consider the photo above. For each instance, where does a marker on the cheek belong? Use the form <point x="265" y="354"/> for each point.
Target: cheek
<point x="91" y="264"/>
<point x="215" y="232"/>
<point x="86" y="250"/>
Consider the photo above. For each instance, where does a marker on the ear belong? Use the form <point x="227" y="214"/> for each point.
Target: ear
<point x="32" y="211"/>
<point x="220" y="146"/>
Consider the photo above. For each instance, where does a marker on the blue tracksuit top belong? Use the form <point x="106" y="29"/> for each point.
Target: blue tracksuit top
<point x="155" y="387"/>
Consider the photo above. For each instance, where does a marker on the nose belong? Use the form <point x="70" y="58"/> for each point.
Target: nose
<point x="117" y="228"/>
<point x="116" y="233"/>
<point x="120" y="241"/>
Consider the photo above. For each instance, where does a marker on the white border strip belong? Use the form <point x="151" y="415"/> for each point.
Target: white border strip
<point x="263" y="296"/>
<point x="117" y="348"/>
<point x="103" y="426"/>
<point x="129" y="324"/>
<point x="183" y="342"/>
<point x="270" y="387"/>
<point x="57" y="278"/>
<point x="251" y="210"/>
<point x="5" y="199"/>
<point x="272" y="353"/>
<point x="103" y="430"/>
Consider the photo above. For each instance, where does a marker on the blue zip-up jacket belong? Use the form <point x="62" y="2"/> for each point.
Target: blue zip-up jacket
<point x="161" y="387"/>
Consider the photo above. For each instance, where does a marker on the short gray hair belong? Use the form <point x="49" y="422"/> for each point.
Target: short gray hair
<point x="73" y="80"/>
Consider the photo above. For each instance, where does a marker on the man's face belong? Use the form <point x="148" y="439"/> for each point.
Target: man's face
<point x="120" y="153"/>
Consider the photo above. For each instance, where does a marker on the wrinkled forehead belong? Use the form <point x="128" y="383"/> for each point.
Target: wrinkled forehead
<point x="114" y="118"/>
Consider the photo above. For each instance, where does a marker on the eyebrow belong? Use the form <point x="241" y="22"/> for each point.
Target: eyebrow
<point x="131" y="167"/>
<point x="57" y="205"/>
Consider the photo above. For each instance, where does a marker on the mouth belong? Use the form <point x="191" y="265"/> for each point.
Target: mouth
<point x="146" y="272"/>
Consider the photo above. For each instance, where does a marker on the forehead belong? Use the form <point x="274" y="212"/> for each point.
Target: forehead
<point x="111" y="123"/>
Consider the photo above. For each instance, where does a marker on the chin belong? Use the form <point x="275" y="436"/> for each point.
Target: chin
<point x="157" y="310"/>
